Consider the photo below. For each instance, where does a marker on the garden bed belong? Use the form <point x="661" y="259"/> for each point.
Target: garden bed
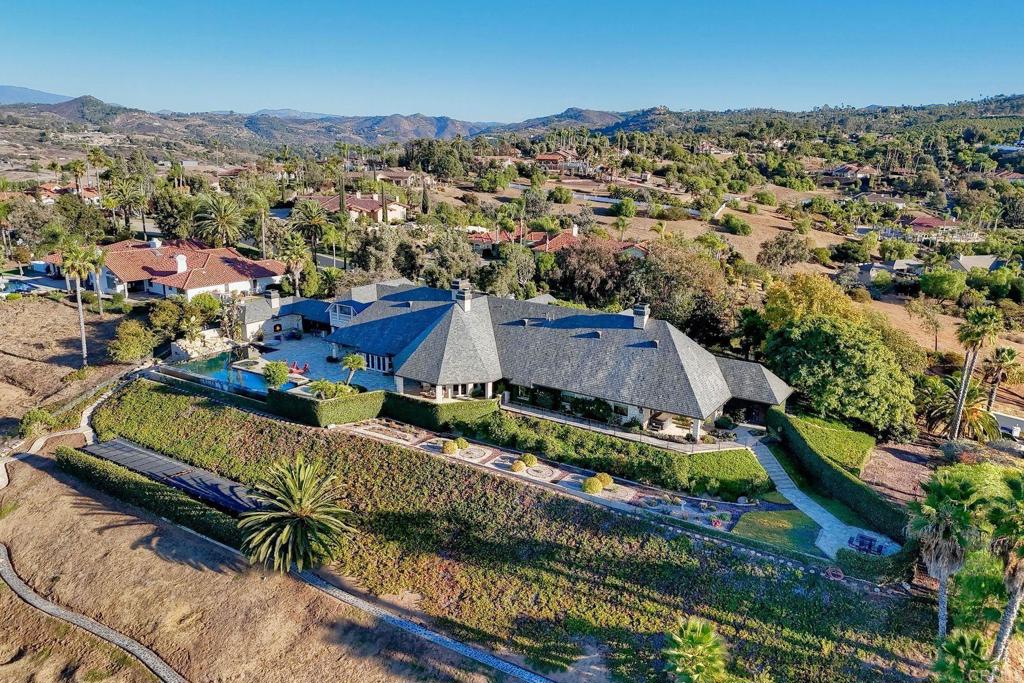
<point x="505" y="564"/>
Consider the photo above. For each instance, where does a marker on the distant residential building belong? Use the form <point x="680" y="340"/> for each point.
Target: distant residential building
<point x="402" y="177"/>
<point x="874" y="198"/>
<point x="358" y="206"/>
<point x="555" y="162"/>
<point x="853" y="170"/>
<point x="920" y="229"/>
<point x="986" y="262"/>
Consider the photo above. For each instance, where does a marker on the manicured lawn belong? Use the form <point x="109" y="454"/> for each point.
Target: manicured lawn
<point x="790" y="529"/>
<point x="842" y="512"/>
<point x="508" y="565"/>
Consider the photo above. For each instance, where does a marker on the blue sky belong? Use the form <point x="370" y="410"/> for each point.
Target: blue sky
<point x="508" y="61"/>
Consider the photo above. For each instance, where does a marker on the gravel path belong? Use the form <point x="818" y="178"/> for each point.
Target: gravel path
<point x="133" y="647"/>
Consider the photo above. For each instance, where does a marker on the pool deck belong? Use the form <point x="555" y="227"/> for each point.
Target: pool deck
<point x="314" y="350"/>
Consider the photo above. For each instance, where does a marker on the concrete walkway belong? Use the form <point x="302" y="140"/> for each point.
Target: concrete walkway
<point x="834" y="533"/>
<point x="149" y="658"/>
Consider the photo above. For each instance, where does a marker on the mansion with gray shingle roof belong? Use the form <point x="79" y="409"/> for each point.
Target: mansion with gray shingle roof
<point x="447" y="344"/>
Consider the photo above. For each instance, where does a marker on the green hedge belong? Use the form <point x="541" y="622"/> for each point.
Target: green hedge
<point x="332" y="411"/>
<point x="436" y="416"/>
<point x="158" y="498"/>
<point x="730" y="473"/>
<point x="244" y="402"/>
<point x="844" y="446"/>
<point x="837" y="482"/>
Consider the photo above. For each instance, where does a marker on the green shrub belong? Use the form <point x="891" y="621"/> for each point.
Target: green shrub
<point x="530" y="459"/>
<point x="736" y="469"/>
<point x="604" y="478"/>
<point x="766" y="198"/>
<point x="890" y="569"/>
<point x="840" y="444"/>
<point x="35" y="421"/>
<point x="518" y="466"/>
<point x="342" y="409"/>
<point x="276" y="373"/>
<point x="436" y="416"/>
<point x="734" y="224"/>
<point x="449" y="448"/>
<point x="592" y="485"/>
<point x="134" y="342"/>
<point x="13" y="296"/>
<point x="158" y="498"/>
<point x="834" y="478"/>
<point x="461" y="443"/>
<point x="725" y="422"/>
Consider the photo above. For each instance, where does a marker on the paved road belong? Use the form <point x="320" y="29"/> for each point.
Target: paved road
<point x="197" y="482"/>
<point x="834" y="533"/>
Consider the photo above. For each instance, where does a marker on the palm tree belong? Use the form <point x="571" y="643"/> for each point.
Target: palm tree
<point x="96" y="158"/>
<point x="219" y="220"/>
<point x="943" y="522"/>
<point x="622" y="225"/>
<point x="981" y="327"/>
<point x="323" y="388"/>
<point x="126" y="196"/>
<point x="695" y="653"/>
<point x="97" y="259"/>
<point x="997" y="368"/>
<point x="353" y="362"/>
<point x="940" y="406"/>
<point x="1007" y="519"/>
<point x="56" y="169"/>
<point x="300" y="521"/>
<point x="77" y="169"/>
<point x="258" y="208"/>
<point x="310" y="219"/>
<point x="293" y="253"/>
<point x="962" y="658"/>
<point x="77" y="264"/>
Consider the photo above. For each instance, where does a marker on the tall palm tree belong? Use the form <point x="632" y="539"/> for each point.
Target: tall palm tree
<point x="980" y="328"/>
<point x="301" y="521"/>
<point x="126" y="196"/>
<point x="1006" y="516"/>
<point x="293" y="254"/>
<point x="258" y="208"/>
<point x="940" y="406"/>
<point x="695" y="653"/>
<point x="943" y="521"/>
<point x="310" y="219"/>
<point x="76" y="262"/>
<point x="353" y="362"/>
<point x="96" y="158"/>
<point x="962" y="658"/>
<point x="97" y="259"/>
<point x="77" y="168"/>
<point x="997" y="368"/>
<point x="219" y="220"/>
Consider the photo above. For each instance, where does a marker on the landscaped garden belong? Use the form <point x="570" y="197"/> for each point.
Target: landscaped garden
<point x="509" y="565"/>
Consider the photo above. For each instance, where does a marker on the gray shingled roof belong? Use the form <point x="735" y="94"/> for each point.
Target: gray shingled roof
<point x="753" y="382"/>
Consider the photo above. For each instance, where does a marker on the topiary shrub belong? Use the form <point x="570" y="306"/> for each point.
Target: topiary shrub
<point x="530" y="459"/>
<point x="518" y="466"/>
<point x="461" y="443"/>
<point x="604" y="478"/>
<point x="35" y="421"/>
<point x="592" y="485"/>
<point x="449" y="448"/>
<point x="14" y="296"/>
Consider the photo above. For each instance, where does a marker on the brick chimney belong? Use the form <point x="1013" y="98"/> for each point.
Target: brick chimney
<point x="181" y="263"/>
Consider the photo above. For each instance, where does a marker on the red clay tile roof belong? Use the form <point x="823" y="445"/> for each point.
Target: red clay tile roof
<point x="219" y="267"/>
<point x="364" y="204"/>
<point x="566" y="239"/>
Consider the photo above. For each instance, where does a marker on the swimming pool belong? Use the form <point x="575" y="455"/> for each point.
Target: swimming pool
<point x="219" y="368"/>
<point x="17" y="287"/>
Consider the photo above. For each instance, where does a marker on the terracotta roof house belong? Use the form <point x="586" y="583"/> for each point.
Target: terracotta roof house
<point x="925" y="228"/>
<point x="555" y="161"/>
<point x="358" y="205"/>
<point x="402" y="177"/>
<point x="443" y="344"/>
<point x="178" y="267"/>
<point x="568" y="238"/>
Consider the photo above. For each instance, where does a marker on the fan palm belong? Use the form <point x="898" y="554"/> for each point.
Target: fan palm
<point x="310" y="219"/>
<point x="77" y="168"/>
<point x="353" y="362"/>
<point x="941" y="404"/>
<point x="76" y="262"/>
<point x="943" y="522"/>
<point x="980" y="328"/>
<point x="323" y="388"/>
<point x="998" y="368"/>
<point x="1006" y="516"/>
<point x="219" y="220"/>
<point x="126" y="196"/>
<point x="258" y="208"/>
<point x="97" y="259"/>
<point x="300" y="522"/>
<point x="962" y="658"/>
<point x="695" y="653"/>
<point x="293" y="253"/>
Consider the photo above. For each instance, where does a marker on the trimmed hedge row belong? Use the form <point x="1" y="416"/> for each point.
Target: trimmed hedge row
<point x="845" y="447"/>
<point x="332" y="411"/>
<point x="158" y="498"/>
<point x="229" y="397"/>
<point x="730" y="473"/>
<point x="837" y="482"/>
<point x="436" y="416"/>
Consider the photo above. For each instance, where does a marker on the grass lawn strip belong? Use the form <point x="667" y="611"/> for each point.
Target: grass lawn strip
<point x="504" y="564"/>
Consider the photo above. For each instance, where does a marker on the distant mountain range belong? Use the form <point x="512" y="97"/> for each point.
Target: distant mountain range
<point x="13" y="94"/>
<point x="270" y="128"/>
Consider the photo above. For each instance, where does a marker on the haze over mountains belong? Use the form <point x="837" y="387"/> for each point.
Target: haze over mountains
<point x="274" y="127"/>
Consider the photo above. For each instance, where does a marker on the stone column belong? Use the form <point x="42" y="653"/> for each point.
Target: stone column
<point x="698" y="428"/>
<point x="399" y="384"/>
<point x="489" y="389"/>
<point x="438" y="392"/>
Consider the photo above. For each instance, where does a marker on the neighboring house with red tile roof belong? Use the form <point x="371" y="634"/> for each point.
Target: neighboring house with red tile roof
<point x="402" y="177"/>
<point x="178" y="267"/>
<point x="358" y="206"/>
<point x="568" y="238"/>
<point x="924" y="228"/>
<point x="555" y="161"/>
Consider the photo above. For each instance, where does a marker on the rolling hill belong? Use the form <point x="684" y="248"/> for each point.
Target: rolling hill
<point x="13" y="94"/>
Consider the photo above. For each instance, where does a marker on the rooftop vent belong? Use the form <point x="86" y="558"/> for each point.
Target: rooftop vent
<point x="597" y="334"/>
<point x="654" y="343"/>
